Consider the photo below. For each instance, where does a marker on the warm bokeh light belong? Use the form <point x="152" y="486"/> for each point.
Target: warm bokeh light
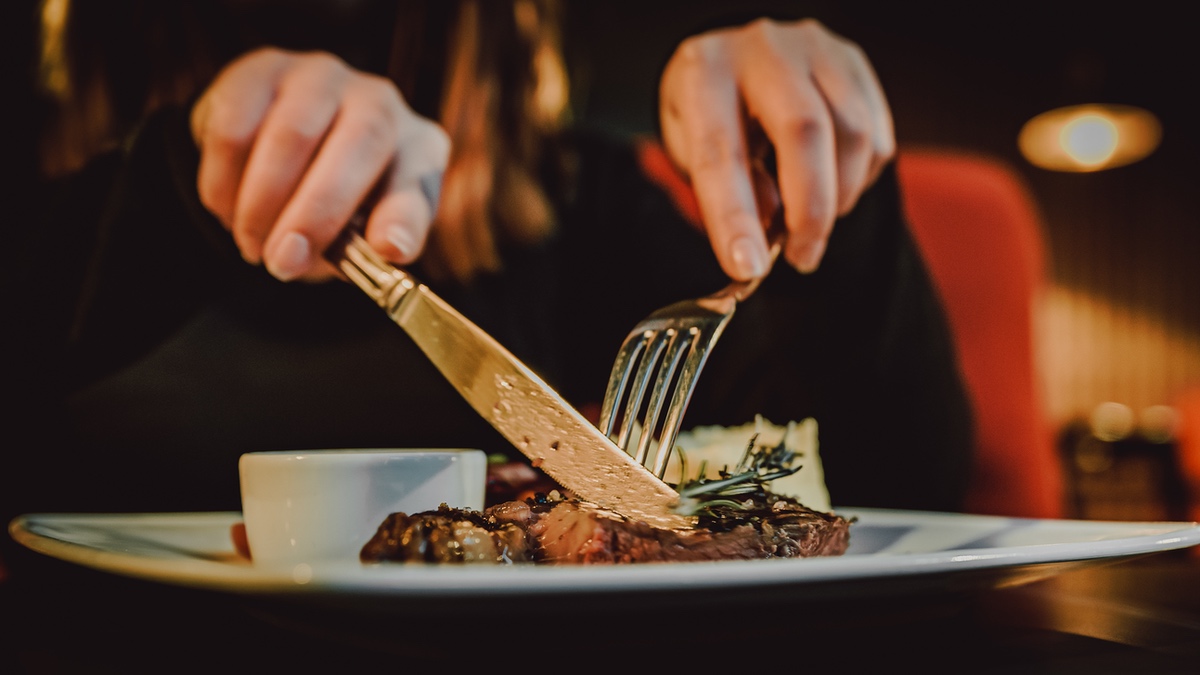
<point x="1089" y="137"/>
<point x="1112" y="421"/>
<point x="53" y="62"/>
<point x="1090" y="140"/>
<point x="1159" y="423"/>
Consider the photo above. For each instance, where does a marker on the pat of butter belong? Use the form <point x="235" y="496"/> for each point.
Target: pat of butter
<point x="722" y="447"/>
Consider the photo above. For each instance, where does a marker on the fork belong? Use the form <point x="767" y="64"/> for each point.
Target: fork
<point x="669" y="347"/>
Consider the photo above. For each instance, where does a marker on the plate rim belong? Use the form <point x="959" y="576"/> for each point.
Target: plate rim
<point x="230" y="573"/>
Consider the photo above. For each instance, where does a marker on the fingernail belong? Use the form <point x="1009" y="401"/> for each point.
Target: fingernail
<point x="749" y="258"/>
<point x="291" y="257"/>
<point x="403" y="239"/>
<point x="809" y="258"/>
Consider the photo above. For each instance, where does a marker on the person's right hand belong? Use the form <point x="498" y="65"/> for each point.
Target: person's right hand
<point x="292" y="145"/>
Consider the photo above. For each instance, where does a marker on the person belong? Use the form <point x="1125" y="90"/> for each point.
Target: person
<point x="174" y="307"/>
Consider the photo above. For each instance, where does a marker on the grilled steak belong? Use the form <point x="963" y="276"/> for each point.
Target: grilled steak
<point x="555" y="530"/>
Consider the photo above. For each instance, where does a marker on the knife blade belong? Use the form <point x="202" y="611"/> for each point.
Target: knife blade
<point x="555" y="437"/>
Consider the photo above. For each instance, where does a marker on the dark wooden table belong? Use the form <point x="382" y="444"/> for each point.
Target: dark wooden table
<point x="1132" y="616"/>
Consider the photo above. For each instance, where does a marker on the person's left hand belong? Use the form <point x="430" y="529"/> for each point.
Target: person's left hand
<point x="728" y="95"/>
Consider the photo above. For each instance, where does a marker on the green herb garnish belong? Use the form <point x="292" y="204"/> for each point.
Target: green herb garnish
<point x="758" y="466"/>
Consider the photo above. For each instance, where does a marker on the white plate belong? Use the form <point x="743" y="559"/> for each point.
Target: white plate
<point x="891" y="553"/>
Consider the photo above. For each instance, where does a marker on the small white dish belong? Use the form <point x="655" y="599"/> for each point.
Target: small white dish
<point x="312" y="506"/>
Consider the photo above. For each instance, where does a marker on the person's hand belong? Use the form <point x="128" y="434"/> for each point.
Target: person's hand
<point x="292" y="145"/>
<point x="808" y="93"/>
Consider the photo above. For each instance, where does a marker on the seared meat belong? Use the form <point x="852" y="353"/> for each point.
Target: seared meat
<point x="451" y="536"/>
<point x="553" y="530"/>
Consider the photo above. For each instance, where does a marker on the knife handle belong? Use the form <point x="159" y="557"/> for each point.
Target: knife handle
<point x="378" y="278"/>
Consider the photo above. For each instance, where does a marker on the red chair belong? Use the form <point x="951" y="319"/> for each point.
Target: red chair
<point x="979" y="229"/>
<point x="1188" y="448"/>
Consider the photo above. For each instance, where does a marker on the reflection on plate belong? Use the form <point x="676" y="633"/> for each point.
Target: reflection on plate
<point x="891" y="553"/>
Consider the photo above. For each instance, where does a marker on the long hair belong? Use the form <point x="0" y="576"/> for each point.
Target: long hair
<point x="490" y="71"/>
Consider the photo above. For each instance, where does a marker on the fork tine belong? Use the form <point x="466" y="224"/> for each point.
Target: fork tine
<point x="618" y="380"/>
<point x="658" y="341"/>
<point x="680" y="343"/>
<point x="685" y="385"/>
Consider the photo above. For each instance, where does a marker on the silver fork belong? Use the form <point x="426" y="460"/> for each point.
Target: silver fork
<point x="680" y="333"/>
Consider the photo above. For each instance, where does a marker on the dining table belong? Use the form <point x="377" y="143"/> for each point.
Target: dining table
<point x="1124" y="614"/>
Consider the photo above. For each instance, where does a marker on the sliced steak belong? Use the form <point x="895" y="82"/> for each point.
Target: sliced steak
<point x="549" y="530"/>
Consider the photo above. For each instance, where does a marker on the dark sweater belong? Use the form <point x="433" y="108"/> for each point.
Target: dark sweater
<point x="147" y="356"/>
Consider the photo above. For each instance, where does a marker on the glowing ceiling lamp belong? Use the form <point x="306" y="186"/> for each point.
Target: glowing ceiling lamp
<point x="1089" y="137"/>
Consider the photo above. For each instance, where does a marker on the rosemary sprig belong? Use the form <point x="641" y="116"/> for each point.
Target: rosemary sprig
<point x="758" y="466"/>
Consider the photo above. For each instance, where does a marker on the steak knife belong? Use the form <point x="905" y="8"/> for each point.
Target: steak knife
<point x="509" y="395"/>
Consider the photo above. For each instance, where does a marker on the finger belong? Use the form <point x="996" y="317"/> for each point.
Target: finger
<point x="224" y="124"/>
<point x="400" y="220"/>
<point x="703" y="109"/>
<point x="883" y="133"/>
<point x="399" y="224"/>
<point x="795" y="117"/>
<point x="303" y="113"/>
<point x="861" y="116"/>
<point x="766" y="191"/>
<point x="350" y="163"/>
